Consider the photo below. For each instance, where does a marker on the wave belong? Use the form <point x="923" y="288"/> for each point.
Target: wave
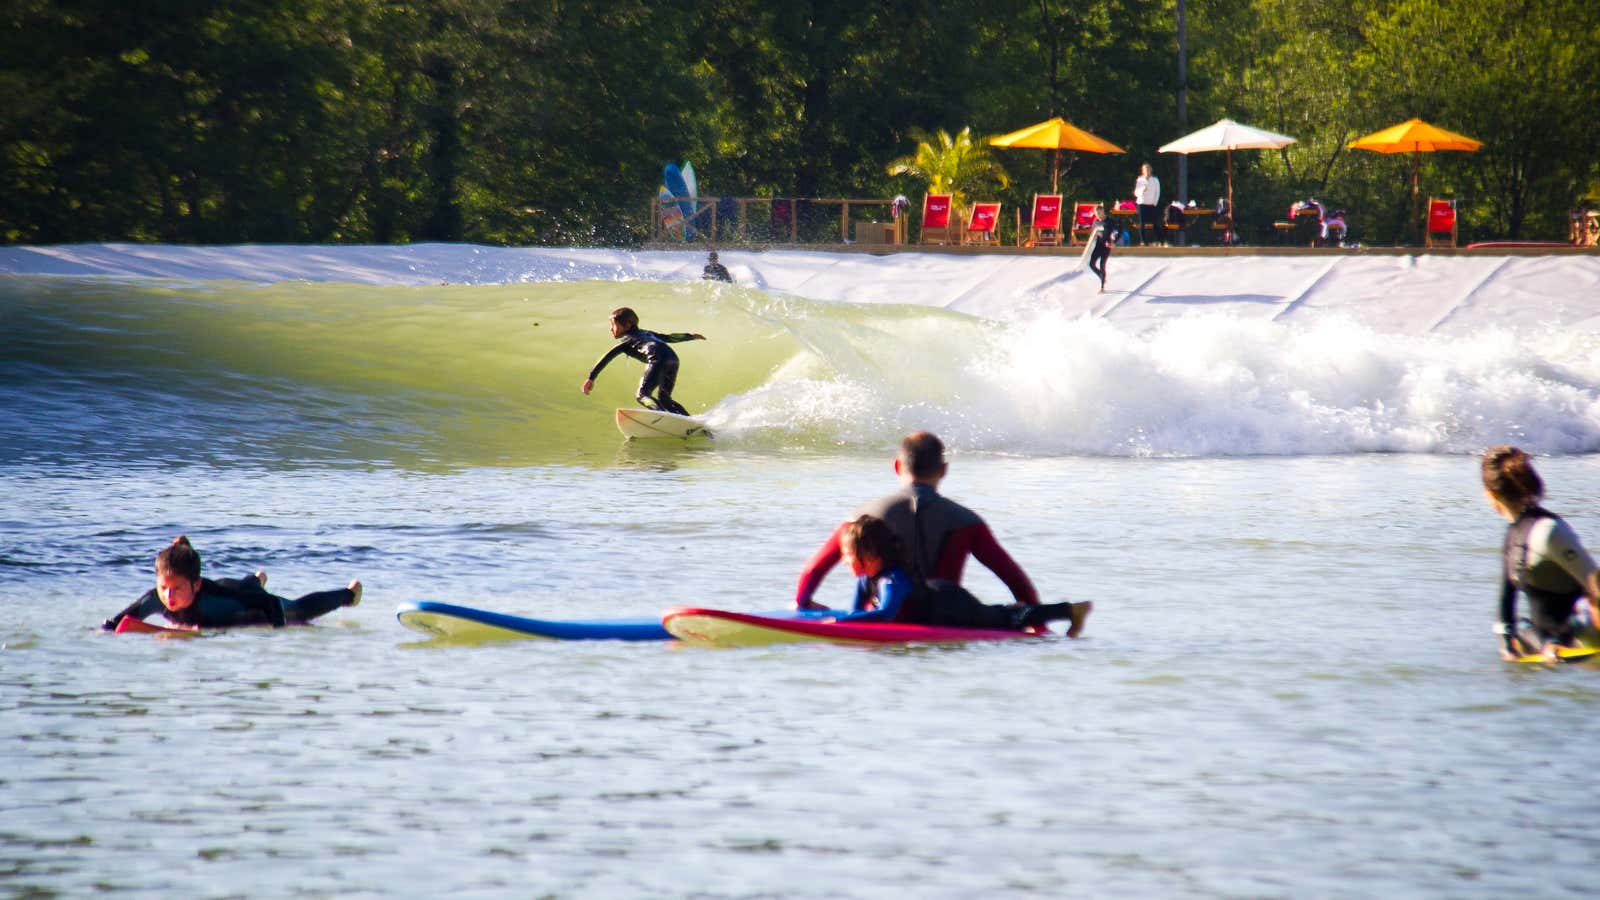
<point x="228" y="372"/>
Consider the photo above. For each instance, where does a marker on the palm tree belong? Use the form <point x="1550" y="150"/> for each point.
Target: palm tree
<point x="951" y="165"/>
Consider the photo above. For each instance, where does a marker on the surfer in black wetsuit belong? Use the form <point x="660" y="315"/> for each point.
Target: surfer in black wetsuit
<point x="184" y="597"/>
<point x="715" y="271"/>
<point x="650" y="348"/>
<point x="1542" y="558"/>
<point x="1100" y="245"/>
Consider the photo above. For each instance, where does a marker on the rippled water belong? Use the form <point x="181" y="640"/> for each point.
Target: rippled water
<point x="1288" y="688"/>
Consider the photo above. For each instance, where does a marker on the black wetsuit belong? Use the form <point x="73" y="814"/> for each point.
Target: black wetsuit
<point x="1101" y="250"/>
<point x="229" y="602"/>
<point x="1546" y="574"/>
<point x="660" y="366"/>
<point x="716" y="272"/>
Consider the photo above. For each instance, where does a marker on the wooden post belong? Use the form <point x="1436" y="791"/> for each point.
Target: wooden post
<point x="744" y="216"/>
<point x="844" y="222"/>
<point x="794" y="220"/>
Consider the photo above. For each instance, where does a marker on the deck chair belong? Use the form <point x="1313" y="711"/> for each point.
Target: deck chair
<point x="1441" y="222"/>
<point x="983" y="225"/>
<point x="936" y="219"/>
<point x="1082" y="223"/>
<point x="1044" y="226"/>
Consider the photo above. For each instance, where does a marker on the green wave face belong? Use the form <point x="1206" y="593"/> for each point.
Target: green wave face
<point x="447" y="375"/>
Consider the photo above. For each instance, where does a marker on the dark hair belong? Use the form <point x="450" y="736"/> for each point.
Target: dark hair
<point x="1508" y="474"/>
<point x="922" y="454"/>
<point x="180" y="558"/>
<point x="627" y="318"/>
<point x="871" y="536"/>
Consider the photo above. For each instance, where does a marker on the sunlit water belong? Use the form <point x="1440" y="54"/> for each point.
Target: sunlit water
<point x="1288" y="687"/>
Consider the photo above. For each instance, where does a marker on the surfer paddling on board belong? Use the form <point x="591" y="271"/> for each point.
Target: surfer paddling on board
<point x="885" y="593"/>
<point x="650" y="348"/>
<point x="936" y="534"/>
<point x="184" y="597"/>
<point x="1542" y="559"/>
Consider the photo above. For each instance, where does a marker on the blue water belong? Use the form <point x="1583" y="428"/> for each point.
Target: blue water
<point x="1288" y="686"/>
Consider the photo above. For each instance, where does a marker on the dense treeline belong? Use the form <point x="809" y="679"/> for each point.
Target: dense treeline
<point x="505" y="121"/>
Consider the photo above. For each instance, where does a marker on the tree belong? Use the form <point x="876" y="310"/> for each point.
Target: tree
<point x="952" y="165"/>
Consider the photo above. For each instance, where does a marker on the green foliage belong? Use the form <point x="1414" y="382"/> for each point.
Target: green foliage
<point x="509" y="121"/>
<point x="957" y="165"/>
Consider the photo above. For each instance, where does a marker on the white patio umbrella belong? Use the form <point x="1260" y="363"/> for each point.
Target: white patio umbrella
<point x="1228" y="135"/>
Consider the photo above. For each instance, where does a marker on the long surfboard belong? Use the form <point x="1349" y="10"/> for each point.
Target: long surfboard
<point x="724" y="628"/>
<point x="652" y="423"/>
<point x="466" y="624"/>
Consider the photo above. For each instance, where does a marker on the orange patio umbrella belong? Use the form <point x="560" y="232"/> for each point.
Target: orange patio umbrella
<point x="1056" y="135"/>
<point x="1415" y="137"/>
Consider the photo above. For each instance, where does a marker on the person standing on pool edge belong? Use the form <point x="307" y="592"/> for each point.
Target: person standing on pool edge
<point x="184" y="597"/>
<point x="1147" y="196"/>
<point x="1542" y="558"/>
<point x="650" y="348"/>
<point x="936" y="534"/>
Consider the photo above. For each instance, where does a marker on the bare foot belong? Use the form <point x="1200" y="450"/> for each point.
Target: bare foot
<point x="355" y="588"/>
<point x="261" y="577"/>
<point x="1080" y="614"/>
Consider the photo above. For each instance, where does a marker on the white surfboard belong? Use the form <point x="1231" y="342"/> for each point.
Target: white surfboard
<point x="651" y="423"/>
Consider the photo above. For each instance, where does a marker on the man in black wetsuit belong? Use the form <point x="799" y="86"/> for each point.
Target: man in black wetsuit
<point x="650" y="348"/>
<point x="715" y="271"/>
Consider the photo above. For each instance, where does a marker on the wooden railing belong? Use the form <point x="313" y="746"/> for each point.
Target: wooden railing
<point x="775" y="220"/>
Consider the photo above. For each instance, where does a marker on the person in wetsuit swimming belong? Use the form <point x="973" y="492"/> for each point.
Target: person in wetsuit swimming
<point x="886" y="593"/>
<point x="715" y="271"/>
<point x="936" y="534"/>
<point x="184" y="597"/>
<point x="650" y="348"/>
<point x="1542" y="558"/>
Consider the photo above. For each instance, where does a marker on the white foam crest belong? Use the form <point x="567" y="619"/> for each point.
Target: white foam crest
<point x="1200" y="385"/>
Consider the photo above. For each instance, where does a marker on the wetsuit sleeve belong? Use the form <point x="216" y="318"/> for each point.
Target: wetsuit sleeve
<point x="1561" y="546"/>
<point x="148" y="604"/>
<point x="889" y="591"/>
<point x="1507" y="626"/>
<point x="604" y="360"/>
<point x="988" y="551"/>
<point x="816" y="569"/>
<point x="676" y="337"/>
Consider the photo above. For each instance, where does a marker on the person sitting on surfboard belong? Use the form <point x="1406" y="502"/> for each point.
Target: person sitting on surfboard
<point x="1542" y="558"/>
<point x="184" y="597"/>
<point x="885" y="593"/>
<point x="937" y="534"/>
<point x="650" y="348"/>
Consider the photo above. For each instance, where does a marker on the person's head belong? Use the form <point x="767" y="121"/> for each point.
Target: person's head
<point x="868" y="547"/>
<point x="623" y="320"/>
<point x="178" y="574"/>
<point x="713" y="256"/>
<point x="1146" y="170"/>
<point x="1510" y="481"/>
<point x="921" y="459"/>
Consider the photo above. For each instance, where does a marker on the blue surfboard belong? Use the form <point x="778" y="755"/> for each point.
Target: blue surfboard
<point x="672" y="178"/>
<point x="464" y="624"/>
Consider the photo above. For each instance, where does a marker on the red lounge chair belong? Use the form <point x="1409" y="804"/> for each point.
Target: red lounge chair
<point x="1441" y="222"/>
<point x="936" y="219"/>
<point x="1082" y="222"/>
<point x="1044" y="229"/>
<point x="982" y="225"/>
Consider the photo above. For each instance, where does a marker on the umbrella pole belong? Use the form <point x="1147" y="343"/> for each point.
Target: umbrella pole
<point x="1415" y="158"/>
<point x="1233" y="211"/>
<point x="1055" y="170"/>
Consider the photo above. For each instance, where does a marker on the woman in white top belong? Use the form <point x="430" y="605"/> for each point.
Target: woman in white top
<point x="1147" y="196"/>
